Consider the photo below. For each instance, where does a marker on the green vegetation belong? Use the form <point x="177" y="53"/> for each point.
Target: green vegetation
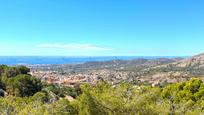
<point x="23" y="94"/>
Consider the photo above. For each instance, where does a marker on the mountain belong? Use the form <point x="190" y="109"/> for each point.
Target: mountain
<point x="193" y="62"/>
<point x="174" y="72"/>
<point x="139" y="63"/>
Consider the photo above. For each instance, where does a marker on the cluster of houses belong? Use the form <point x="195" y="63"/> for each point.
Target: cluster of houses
<point x="65" y="79"/>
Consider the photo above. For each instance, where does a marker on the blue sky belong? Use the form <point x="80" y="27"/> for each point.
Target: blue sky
<point x="101" y="27"/>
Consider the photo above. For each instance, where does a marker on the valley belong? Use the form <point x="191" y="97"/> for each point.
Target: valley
<point x="152" y="71"/>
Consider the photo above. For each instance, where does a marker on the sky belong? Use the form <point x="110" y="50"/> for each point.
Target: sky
<point x="101" y="27"/>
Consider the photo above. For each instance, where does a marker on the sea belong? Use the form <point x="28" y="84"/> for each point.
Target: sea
<point x="32" y="60"/>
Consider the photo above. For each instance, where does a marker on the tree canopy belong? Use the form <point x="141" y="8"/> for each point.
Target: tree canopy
<point x="23" y="94"/>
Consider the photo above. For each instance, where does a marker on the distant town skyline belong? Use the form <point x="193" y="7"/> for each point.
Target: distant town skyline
<point x="101" y="27"/>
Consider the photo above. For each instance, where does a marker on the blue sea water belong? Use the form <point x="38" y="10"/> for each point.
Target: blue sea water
<point x="28" y="60"/>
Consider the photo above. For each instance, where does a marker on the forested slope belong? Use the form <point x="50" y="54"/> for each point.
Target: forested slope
<point x="23" y="94"/>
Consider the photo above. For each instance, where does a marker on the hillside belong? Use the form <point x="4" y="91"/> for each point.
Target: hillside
<point x="114" y="71"/>
<point x="154" y="71"/>
<point x="110" y="65"/>
<point x="193" y="62"/>
<point x="176" y="71"/>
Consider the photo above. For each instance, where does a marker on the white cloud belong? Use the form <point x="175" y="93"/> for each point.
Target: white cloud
<point x="78" y="47"/>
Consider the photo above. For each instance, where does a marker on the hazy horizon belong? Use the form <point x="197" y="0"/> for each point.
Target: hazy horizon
<point x="90" y="56"/>
<point x="33" y="60"/>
